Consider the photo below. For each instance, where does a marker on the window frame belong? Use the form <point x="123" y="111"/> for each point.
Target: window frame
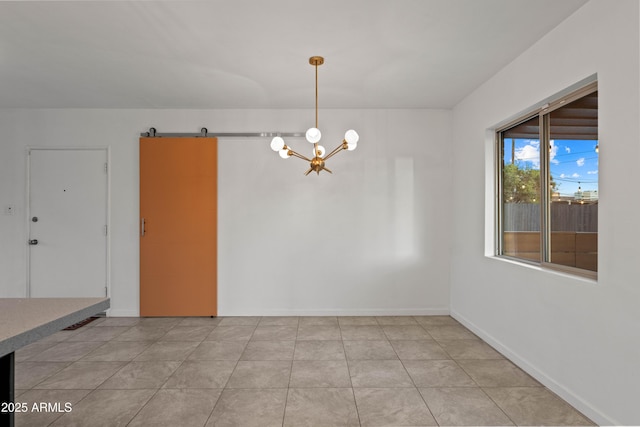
<point x="543" y="114"/>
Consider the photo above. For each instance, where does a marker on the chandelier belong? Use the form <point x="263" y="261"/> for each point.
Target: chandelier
<point x="313" y="135"/>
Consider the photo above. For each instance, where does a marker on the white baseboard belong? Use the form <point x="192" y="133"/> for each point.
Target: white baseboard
<point x="340" y="312"/>
<point x="568" y="395"/>
<point x="122" y="313"/>
<point x="328" y="312"/>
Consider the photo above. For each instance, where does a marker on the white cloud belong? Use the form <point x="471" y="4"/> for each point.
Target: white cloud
<point x="592" y="172"/>
<point x="567" y="149"/>
<point x="575" y="175"/>
<point x="580" y="161"/>
<point x="529" y="153"/>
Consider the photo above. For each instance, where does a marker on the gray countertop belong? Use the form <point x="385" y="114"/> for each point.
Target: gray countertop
<point x="26" y="320"/>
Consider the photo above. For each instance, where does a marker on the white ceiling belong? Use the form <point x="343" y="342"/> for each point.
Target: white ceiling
<point x="254" y="53"/>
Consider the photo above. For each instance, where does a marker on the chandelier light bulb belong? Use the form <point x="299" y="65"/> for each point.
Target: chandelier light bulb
<point x="313" y="135"/>
<point x="351" y="136"/>
<point x="352" y="147"/>
<point x="284" y="153"/>
<point x="277" y="143"/>
<point x="319" y="151"/>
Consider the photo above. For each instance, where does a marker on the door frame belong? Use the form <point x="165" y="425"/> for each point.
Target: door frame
<point x="107" y="150"/>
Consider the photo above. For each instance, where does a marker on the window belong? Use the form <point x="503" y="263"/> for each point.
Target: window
<point x="548" y="185"/>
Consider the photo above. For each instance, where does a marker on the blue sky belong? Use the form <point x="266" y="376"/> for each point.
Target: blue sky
<point x="573" y="162"/>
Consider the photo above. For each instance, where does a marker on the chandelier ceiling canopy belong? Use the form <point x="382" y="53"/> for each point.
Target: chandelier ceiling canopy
<point x="313" y="135"/>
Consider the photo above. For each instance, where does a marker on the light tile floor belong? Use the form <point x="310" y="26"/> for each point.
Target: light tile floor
<point x="278" y="371"/>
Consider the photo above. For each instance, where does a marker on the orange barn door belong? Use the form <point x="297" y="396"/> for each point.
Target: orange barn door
<point x="178" y="226"/>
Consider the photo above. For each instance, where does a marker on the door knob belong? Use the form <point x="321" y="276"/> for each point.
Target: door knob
<point x="33" y="242"/>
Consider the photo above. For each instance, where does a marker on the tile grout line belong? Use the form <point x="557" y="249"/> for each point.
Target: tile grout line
<point x="170" y="375"/>
<point x="346" y="360"/>
<point x="160" y="387"/>
<point x="286" y="399"/>
<point x="142" y="406"/>
<point x="421" y="396"/>
<point x="498" y="406"/>
<point x="224" y="387"/>
<point x="126" y="364"/>
<point x="414" y="384"/>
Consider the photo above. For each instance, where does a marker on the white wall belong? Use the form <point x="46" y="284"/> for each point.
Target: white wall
<point x="370" y="239"/>
<point x="581" y="338"/>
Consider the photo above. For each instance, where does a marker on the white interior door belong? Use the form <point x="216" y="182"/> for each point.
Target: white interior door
<point x="68" y="196"/>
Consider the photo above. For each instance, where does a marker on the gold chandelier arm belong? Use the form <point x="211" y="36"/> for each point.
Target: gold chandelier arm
<point x="336" y="150"/>
<point x="327" y="169"/>
<point x="300" y="156"/>
<point x="308" y="172"/>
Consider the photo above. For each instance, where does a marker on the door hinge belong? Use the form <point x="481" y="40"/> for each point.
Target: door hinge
<point x="106" y="168"/>
<point x="106" y="230"/>
<point x="105" y="292"/>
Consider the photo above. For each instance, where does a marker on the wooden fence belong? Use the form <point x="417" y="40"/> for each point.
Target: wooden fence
<point x="564" y="217"/>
